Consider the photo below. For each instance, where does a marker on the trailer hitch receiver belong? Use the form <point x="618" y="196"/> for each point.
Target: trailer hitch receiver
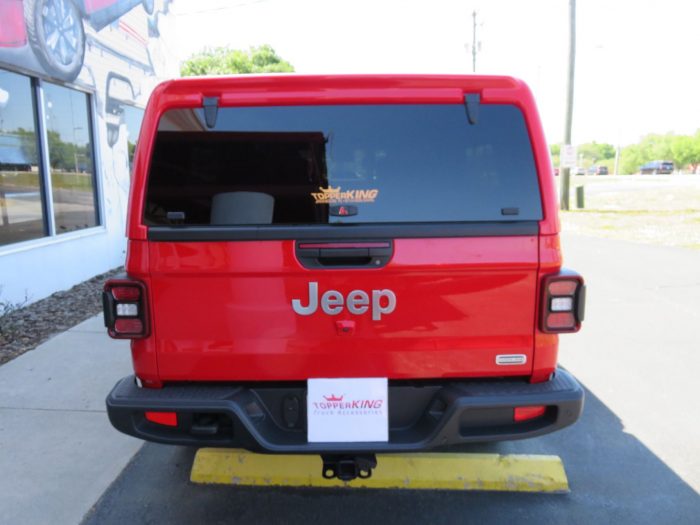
<point x="348" y="467"/>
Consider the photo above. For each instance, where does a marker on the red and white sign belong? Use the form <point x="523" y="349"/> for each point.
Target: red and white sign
<point x="347" y="410"/>
<point x="567" y="156"/>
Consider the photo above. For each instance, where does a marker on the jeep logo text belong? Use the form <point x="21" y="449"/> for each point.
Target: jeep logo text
<point x="357" y="302"/>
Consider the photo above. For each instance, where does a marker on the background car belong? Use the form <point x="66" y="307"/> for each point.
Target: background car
<point x="656" y="167"/>
<point x="601" y="170"/>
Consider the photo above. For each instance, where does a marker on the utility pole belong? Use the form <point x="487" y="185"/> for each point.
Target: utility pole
<point x="566" y="172"/>
<point x="474" y="41"/>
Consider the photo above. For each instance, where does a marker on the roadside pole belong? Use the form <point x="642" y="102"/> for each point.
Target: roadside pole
<point x="566" y="172"/>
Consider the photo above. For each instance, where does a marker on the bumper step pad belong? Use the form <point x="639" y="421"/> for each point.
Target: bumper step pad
<point x="437" y="471"/>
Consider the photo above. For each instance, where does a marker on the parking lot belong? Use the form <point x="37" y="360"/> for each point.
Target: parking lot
<point x="347" y="258"/>
<point x="596" y="184"/>
<point x="632" y="458"/>
<point x="656" y="209"/>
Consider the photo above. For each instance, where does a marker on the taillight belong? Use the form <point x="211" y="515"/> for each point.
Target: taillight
<point x="126" y="293"/>
<point x="563" y="303"/>
<point x="125" y="309"/>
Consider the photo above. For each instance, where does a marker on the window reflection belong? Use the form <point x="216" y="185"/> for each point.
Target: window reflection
<point x="344" y="164"/>
<point x="21" y="209"/>
<point x="133" y="117"/>
<point x="70" y="158"/>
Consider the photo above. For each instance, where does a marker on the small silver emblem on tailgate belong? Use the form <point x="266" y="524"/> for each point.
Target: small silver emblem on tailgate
<point x="511" y="359"/>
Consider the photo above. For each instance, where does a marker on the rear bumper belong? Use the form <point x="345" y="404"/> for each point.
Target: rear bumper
<point x="422" y="415"/>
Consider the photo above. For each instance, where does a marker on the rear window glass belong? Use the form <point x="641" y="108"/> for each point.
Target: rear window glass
<point x="342" y="164"/>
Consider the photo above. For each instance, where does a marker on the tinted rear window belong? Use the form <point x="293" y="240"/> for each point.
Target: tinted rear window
<point x="342" y="164"/>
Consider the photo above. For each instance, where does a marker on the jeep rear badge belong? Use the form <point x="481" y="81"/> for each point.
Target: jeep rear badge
<point x="357" y="302"/>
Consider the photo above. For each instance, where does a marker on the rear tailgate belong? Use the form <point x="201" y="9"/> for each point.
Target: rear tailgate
<point x="228" y="206"/>
<point x="225" y="311"/>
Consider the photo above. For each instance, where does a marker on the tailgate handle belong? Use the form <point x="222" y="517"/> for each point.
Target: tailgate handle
<point x="356" y="254"/>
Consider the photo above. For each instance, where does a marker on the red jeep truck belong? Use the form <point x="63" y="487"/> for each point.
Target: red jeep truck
<point x="343" y="265"/>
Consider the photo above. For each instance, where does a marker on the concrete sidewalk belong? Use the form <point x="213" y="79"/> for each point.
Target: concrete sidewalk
<point x="58" y="451"/>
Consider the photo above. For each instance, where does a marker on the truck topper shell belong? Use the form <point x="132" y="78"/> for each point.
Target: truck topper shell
<point x="401" y="227"/>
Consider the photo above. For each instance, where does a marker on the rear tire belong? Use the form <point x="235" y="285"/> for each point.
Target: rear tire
<point x="56" y="34"/>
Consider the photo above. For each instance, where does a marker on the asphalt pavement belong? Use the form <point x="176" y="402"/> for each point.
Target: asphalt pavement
<point x="634" y="457"/>
<point x="639" y="350"/>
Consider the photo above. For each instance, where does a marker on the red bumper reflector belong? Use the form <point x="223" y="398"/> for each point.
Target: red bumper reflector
<point x="169" y="419"/>
<point x="128" y="326"/>
<point x="525" y="413"/>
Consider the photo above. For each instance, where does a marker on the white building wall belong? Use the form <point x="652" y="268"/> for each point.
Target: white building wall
<point x="133" y="46"/>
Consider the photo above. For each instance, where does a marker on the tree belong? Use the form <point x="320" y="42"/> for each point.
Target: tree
<point x="61" y="153"/>
<point x="28" y="144"/>
<point x="227" y="61"/>
<point x="683" y="151"/>
<point x="696" y="151"/>
<point x="554" y="152"/>
<point x="631" y="157"/>
<point x="592" y="152"/>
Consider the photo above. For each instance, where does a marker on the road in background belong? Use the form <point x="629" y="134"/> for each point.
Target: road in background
<point x="596" y="184"/>
<point x="632" y="458"/>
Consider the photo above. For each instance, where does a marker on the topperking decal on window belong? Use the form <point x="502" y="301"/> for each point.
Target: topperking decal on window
<point x="331" y="195"/>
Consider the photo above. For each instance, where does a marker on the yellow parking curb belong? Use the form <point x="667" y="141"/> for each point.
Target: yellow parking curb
<point x="449" y="471"/>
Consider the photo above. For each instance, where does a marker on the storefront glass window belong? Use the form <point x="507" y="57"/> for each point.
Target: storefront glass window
<point x="70" y="158"/>
<point x="21" y="205"/>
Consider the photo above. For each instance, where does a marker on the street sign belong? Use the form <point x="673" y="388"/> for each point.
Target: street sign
<point x="567" y="156"/>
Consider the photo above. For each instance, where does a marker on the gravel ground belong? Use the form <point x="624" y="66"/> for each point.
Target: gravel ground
<point x="661" y="209"/>
<point x="25" y="328"/>
<point x="666" y="228"/>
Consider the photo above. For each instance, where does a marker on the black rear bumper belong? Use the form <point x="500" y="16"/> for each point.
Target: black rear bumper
<point x="422" y="415"/>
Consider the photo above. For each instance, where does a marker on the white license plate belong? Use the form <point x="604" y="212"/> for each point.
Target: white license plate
<point x="347" y="410"/>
